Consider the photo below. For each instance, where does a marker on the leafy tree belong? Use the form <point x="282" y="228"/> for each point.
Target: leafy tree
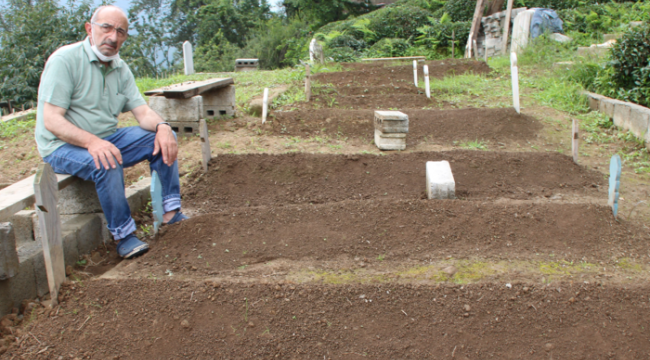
<point x="321" y="12"/>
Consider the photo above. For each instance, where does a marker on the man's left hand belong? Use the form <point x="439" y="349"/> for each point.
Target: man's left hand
<point x="166" y="143"/>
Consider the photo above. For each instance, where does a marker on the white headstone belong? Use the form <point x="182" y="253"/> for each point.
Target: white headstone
<point x="265" y="105"/>
<point x="415" y="72"/>
<point x="440" y="180"/>
<point x="514" y="71"/>
<point x="188" y="58"/>
<point x="426" y="81"/>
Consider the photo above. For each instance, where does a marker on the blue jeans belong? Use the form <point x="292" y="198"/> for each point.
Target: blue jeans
<point x="136" y="145"/>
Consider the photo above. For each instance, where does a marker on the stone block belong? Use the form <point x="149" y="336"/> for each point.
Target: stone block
<point x="9" y="264"/>
<point x="440" y="180"/>
<point x="247" y="65"/>
<point x="219" y="102"/>
<point x="23" y="286"/>
<point x="638" y="120"/>
<point x="185" y="128"/>
<point x="391" y="122"/>
<point x="178" y="110"/>
<point x="622" y="115"/>
<point x="393" y="141"/>
<point x="80" y="197"/>
<point x="88" y="229"/>
<point x="69" y="240"/>
<point x="6" y="302"/>
<point x="23" y="224"/>
<point x="138" y="194"/>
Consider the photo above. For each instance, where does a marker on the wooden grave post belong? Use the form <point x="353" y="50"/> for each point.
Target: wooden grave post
<point x="307" y="82"/>
<point x="574" y="140"/>
<point x="46" y="191"/>
<point x="415" y="72"/>
<point x="506" y="28"/>
<point x="265" y="105"/>
<point x="426" y="81"/>
<point x="205" y="144"/>
<point x="476" y="24"/>
<point x="453" y="44"/>
<point x="514" y="72"/>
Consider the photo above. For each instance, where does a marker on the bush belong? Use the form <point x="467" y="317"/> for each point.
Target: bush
<point x="460" y="10"/>
<point x="346" y="40"/>
<point x="389" y="48"/>
<point x="603" y="19"/>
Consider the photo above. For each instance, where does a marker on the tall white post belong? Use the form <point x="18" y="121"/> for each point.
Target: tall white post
<point x="514" y="71"/>
<point x="415" y="72"/>
<point x="188" y="57"/>
<point x="265" y="105"/>
<point x="312" y="50"/>
<point x="426" y="81"/>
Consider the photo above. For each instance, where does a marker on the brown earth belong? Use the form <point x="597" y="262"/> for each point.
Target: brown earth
<point x="437" y="126"/>
<point x="378" y="102"/>
<point x="165" y="319"/>
<point x="399" y="75"/>
<point x="274" y="180"/>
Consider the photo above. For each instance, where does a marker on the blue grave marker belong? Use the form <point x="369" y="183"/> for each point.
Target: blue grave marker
<point x="614" y="182"/>
<point x="156" y="201"/>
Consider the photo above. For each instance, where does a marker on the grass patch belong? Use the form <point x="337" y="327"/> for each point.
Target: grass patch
<point x="473" y="145"/>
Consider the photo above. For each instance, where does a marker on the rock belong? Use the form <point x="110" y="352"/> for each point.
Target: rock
<point x="549" y="347"/>
<point x="450" y="270"/>
<point x="467" y="308"/>
<point x="251" y="324"/>
<point x="185" y="324"/>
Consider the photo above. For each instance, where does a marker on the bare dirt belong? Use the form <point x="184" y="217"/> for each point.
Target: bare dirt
<point x="443" y="127"/>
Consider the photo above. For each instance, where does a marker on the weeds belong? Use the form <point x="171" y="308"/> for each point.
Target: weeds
<point x="474" y="145"/>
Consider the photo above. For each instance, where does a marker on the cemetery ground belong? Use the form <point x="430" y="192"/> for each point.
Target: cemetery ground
<point x="306" y="241"/>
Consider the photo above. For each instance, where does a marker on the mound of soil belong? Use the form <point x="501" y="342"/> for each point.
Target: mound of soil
<point x="399" y="75"/>
<point x="402" y="101"/>
<point x="274" y="180"/>
<point x="437" y="126"/>
<point x="164" y="319"/>
<point x="395" y="230"/>
<point x="371" y="90"/>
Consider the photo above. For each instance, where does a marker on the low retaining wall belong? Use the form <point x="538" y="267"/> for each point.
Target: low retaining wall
<point x="626" y="115"/>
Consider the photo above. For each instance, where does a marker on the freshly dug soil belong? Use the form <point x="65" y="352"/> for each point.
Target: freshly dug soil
<point x="433" y="64"/>
<point x="400" y="101"/>
<point x="164" y="319"/>
<point x="274" y="180"/>
<point x="371" y="90"/>
<point x="437" y="126"/>
<point x="396" y="230"/>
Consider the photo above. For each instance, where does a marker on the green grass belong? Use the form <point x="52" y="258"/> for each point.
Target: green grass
<point x="474" y="145"/>
<point x="16" y="128"/>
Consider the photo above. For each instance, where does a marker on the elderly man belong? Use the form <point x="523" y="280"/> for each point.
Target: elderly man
<point x="83" y="89"/>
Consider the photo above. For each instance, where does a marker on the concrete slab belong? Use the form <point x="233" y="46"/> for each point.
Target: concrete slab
<point x="396" y="141"/>
<point x="622" y="115"/>
<point x="638" y="121"/>
<point x="440" y="180"/>
<point x="390" y="122"/>
<point x="23" y="224"/>
<point x="177" y="110"/>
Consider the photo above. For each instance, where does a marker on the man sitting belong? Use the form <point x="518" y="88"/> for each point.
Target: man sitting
<point x="83" y="89"/>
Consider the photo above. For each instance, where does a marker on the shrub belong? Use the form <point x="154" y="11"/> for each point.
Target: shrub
<point x="389" y="48"/>
<point x="346" y="40"/>
<point x="460" y="10"/>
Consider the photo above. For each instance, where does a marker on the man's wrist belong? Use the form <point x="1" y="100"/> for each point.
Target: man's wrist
<point x="163" y="123"/>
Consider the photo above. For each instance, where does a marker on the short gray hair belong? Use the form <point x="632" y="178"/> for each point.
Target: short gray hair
<point x="99" y="9"/>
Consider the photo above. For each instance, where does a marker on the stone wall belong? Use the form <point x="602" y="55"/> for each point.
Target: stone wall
<point x="491" y="33"/>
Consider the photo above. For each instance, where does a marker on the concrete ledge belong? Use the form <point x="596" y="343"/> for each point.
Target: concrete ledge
<point x="626" y="115"/>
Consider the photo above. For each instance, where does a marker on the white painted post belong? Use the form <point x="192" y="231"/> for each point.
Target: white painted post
<point x="426" y="81"/>
<point x="265" y="105"/>
<point x="188" y="57"/>
<point x="415" y="72"/>
<point x="312" y="50"/>
<point x="574" y="141"/>
<point x="514" y="71"/>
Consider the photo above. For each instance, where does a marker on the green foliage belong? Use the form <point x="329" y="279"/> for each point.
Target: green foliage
<point x="30" y="33"/>
<point x="460" y="10"/>
<point x="319" y="13"/>
<point x="278" y="42"/>
<point x="603" y="19"/>
<point x="438" y="33"/>
<point x="216" y="55"/>
<point x="389" y="48"/>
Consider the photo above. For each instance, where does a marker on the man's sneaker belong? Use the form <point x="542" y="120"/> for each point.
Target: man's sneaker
<point x="178" y="217"/>
<point x="131" y="246"/>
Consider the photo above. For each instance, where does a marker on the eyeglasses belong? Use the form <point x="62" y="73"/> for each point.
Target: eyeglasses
<point x="108" y="28"/>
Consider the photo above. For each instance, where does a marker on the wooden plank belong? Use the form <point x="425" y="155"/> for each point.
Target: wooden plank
<point x="476" y="24"/>
<point x="9" y="264"/>
<point x="396" y="58"/>
<point x="307" y="83"/>
<point x="506" y="29"/>
<point x="46" y="192"/>
<point x="20" y="195"/>
<point x="191" y="88"/>
<point x="205" y="144"/>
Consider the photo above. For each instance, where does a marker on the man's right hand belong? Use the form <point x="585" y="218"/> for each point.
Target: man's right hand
<point x="105" y="153"/>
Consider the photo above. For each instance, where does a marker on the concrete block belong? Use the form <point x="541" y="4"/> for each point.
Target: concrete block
<point x="389" y="122"/>
<point x="622" y="115"/>
<point x="88" y="229"/>
<point x="80" y="197"/>
<point x="440" y="180"/>
<point x="394" y="141"/>
<point x="593" y="51"/>
<point x="9" y="264"/>
<point x="106" y="234"/>
<point x="23" y="224"/>
<point x="178" y="110"/>
<point x="6" y="302"/>
<point x="606" y="106"/>
<point x="185" y="128"/>
<point x="23" y="286"/>
<point x="219" y="102"/>
<point x="638" y="121"/>
<point x="247" y="65"/>
<point x="138" y="194"/>
<point x="69" y="240"/>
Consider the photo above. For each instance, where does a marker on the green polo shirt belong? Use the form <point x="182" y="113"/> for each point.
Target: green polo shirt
<point x="94" y="95"/>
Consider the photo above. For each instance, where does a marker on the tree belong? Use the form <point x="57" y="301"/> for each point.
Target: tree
<point x="321" y="12"/>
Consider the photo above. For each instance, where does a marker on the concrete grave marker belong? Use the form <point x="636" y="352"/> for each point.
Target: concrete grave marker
<point x="205" y="144"/>
<point x="440" y="180"/>
<point x="46" y="191"/>
<point x="574" y="140"/>
<point x="514" y="72"/>
<point x="614" y="183"/>
<point x="391" y="128"/>
<point x="188" y="58"/>
<point x="156" y="201"/>
<point x="265" y="105"/>
<point x="426" y="81"/>
<point x="415" y="72"/>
